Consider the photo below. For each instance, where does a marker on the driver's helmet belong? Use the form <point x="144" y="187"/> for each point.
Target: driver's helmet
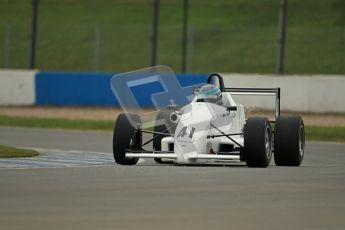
<point x="210" y="93"/>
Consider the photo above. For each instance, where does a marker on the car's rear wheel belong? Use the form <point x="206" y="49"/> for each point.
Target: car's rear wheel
<point x="289" y="141"/>
<point x="163" y="124"/>
<point x="124" y="137"/>
<point x="257" y="142"/>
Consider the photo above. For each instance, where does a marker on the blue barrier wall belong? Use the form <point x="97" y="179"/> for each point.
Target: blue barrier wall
<point x="92" y="89"/>
<point x="299" y="93"/>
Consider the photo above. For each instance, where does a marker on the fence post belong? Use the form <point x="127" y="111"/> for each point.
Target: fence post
<point x="190" y="46"/>
<point x="184" y="36"/>
<point x="97" y="46"/>
<point x="33" y="34"/>
<point x="342" y="37"/>
<point x="7" y="46"/>
<point x="154" y="32"/>
<point x="282" y="34"/>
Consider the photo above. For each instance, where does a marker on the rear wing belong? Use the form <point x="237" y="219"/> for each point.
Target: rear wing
<point x="259" y="92"/>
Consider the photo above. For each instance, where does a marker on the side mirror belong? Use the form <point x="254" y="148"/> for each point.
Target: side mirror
<point x="231" y="108"/>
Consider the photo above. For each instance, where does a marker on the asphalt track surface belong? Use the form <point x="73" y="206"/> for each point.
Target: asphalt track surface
<point x="152" y="196"/>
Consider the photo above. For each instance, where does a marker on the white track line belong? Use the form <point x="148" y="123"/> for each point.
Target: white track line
<point x="54" y="158"/>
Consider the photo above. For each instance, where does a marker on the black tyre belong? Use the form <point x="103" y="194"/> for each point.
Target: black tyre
<point x="257" y="142"/>
<point x="289" y="141"/>
<point x="123" y="137"/>
<point x="163" y="125"/>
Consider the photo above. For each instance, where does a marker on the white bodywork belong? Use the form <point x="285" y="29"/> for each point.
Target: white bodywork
<point x="191" y="141"/>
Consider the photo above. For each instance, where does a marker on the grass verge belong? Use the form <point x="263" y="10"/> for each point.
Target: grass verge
<point x="325" y="133"/>
<point x="9" y="152"/>
<point x="318" y="133"/>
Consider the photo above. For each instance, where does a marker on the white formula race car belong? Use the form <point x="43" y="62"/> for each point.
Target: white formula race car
<point x="212" y="128"/>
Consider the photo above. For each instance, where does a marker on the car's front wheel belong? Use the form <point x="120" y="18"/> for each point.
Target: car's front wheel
<point x="124" y="137"/>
